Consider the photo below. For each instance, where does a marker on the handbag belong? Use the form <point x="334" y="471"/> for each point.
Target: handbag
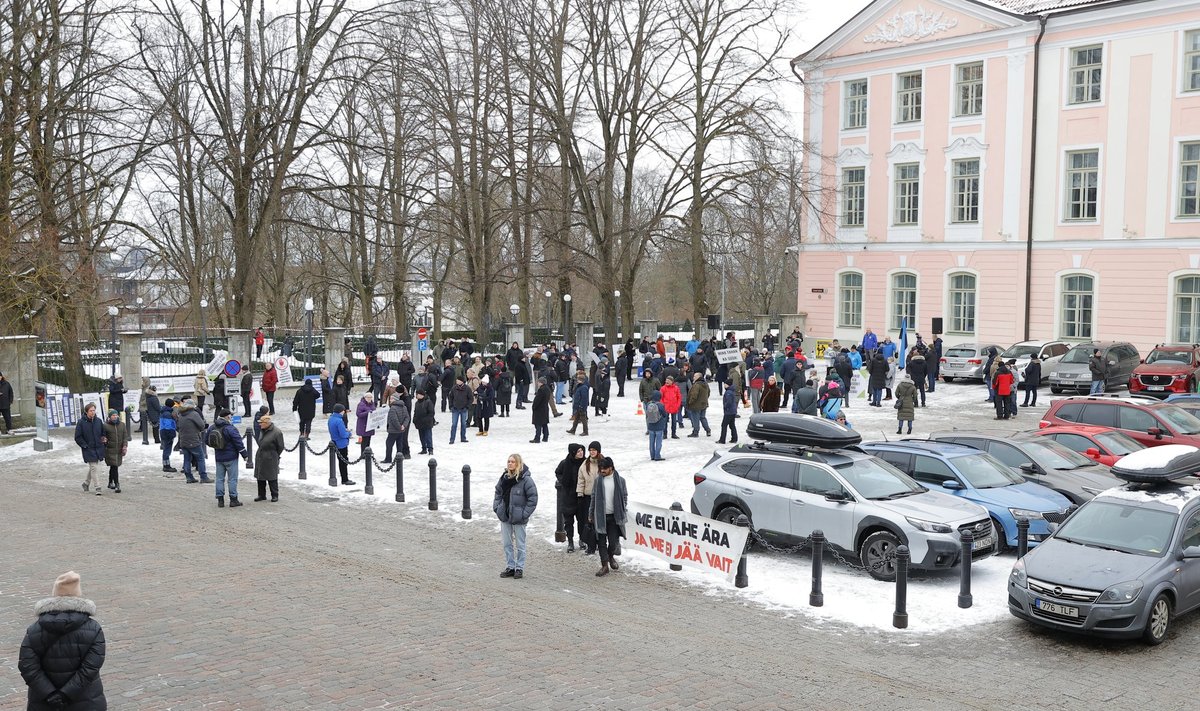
<point x="896" y="405"/>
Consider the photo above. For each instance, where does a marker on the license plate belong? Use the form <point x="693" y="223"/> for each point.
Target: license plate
<point x="1154" y="387"/>
<point x="982" y="543"/>
<point x="955" y="363"/>
<point x="1056" y="609"/>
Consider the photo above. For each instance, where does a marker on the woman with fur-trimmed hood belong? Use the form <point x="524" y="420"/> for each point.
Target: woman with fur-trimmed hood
<point x="63" y="651"/>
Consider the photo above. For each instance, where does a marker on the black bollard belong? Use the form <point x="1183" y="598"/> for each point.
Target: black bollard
<point x="816" y="598"/>
<point x="369" y="488"/>
<point x="303" y="457"/>
<point x="248" y="439"/>
<point x="333" y="455"/>
<point x="466" y="511"/>
<point x="964" y="585"/>
<point x="1022" y="537"/>
<point x="677" y="507"/>
<point x="742" y="579"/>
<point x="432" y="484"/>
<point x="145" y="428"/>
<point x="400" y="480"/>
<point x="900" y="616"/>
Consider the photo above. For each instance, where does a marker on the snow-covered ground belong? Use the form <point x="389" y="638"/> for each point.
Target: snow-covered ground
<point x="777" y="582"/>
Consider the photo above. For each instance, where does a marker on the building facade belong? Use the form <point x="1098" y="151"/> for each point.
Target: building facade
<point x="1016" y="168"/>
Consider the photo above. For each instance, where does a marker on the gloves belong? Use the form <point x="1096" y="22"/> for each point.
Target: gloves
<point x="56" y="700"/>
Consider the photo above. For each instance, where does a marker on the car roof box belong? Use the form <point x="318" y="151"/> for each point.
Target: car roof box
<point x="1158" y="464"/>
<point x="803" y="430"/>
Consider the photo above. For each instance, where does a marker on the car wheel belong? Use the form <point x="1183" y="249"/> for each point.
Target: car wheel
<point x="947" y="379"/>
<point x="729" y="515"/>
<point x="1159" y="621"/>
<point x="878" y="554"/>
<point x="1056" y="391"/>
<point x="1001" y="537"/>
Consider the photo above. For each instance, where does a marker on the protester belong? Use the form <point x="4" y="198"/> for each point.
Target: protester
<point x="771" y="397"/>
<point x="656" y="425"/>
<point x="541" y="412"/>
<point x="304" y="404"/>
<point x="485" y="406"/>
<point x="583" y="492"/>
<point x="63" y="651"/>
<point x="116" y="446"/>
<point x="504" y="393"/>
<point x="423" y="416"/>
<point x="804" y="401"/>
<point x="906" y="403"/>
<point x="397" y="429"/>
<point x="877" y="369"/>
<point x="6" y="401"/>
<point x="153" y="411"/>
<point x="1003" y="384"/>
<point x="729" y="405"/>
<point x="672" y="402"/>
<point x="697" y="405"/>
<point x="460" y="398"/>
<point x="166" y="433"/>
<point x="201" y="389"/>
<point x="226" y="455"/>
<point x="247" y="386"/>
<point x="366" y="405"/>
<point x="266" y="464"/>
<point x="514" y="503"/>
<point x="918" y="370"/>
<point x="116" y="394"/>
<point x="270" y="383"/>
<point x="566" y="479"/>
<point x="145" y="389"/>
<point x="1033" y="381"/>
<point x="190" y="426"/>
<point x="607" y="515"/>
<point x="339" y="436"/>
<point x="580" y="398"/>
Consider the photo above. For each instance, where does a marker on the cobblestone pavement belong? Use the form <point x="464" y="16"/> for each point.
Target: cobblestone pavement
<point x="306" y="605"/>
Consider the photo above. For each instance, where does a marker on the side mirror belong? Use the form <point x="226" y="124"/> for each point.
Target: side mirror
<point x="1029" y="468"/>
<point x="1092" y="452"/>
<point x="838" y="496"/>
<point x="1191" y="552"/>
<point x="951" y="484"/>
<point x="1156" y="432"/>
<point x="1141" y="360"/>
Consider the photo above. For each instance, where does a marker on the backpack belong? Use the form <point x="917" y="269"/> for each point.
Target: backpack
<point x="653" y="413"/>
<point x="215" y="438"/>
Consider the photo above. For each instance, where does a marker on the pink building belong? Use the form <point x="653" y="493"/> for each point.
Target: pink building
<point x="938" y="122"/>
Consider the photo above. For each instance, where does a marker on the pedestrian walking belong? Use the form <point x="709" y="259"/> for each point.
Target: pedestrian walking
<point x="423" y="419"/>
<point x="610" y="501"/>
<point x="227" y="447"/>
<point x="540" y="410"/>
<point x="116" y="446"/>
<point x="166" y="433"/>
<point x="580" y="399"/>
<point x="729" y="413"/>
<point x="366" y="405"/>
<point x="339" y="437"/>
<point x="514" y="503"/>
<point x="89" y="435"/>
<point x="266" y="464"/>
<point x="566" y="479"/>
<point x="656" y="425"/>
<point x="906" y="403"/>
<point x="190" y="426"/>
<point x="1099" y="370"/>
<point x="63" y="651"/>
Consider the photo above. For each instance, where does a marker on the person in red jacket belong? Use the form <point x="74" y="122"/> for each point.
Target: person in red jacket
<point x="1002" y="383"/>
<point x="259" y="340"/>
<point x="270" y="383"/>
<point x="672" y="400"/>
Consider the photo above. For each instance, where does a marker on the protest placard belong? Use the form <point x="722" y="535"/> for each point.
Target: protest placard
<point x="686" y="539"/>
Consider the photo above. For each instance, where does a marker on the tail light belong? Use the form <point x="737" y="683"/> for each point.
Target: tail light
<point x="697" y="479"/>
<point x="1044" y="423"/>
<point x="975" y="361"/>
<point x="942" y="360"/>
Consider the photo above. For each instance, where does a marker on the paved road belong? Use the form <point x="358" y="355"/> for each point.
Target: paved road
<point x="306" y="605"/>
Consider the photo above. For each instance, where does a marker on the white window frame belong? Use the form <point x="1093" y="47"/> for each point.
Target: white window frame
<point x="861" y="199"/>
<point x="950" y="305"/>
<point x="1177" y="210"/>
<point x="919" y="92"/>
<point x="848" y="100"/>
<point x="1060" y="294"/>
<point x="893" y="303"/>
<point x="959" y="84"/>
<point x="1185" y="86"/>
<point x="1073" y="69"/>
<point x="862" y="283"/>
<point x="955" y="194"/>
<point x="1176" y="295"/>
<point x="916" y="221"/>
<point x="1064" y="213"/>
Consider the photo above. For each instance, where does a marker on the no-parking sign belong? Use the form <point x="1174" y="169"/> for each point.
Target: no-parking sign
<point x="232" y="368"/>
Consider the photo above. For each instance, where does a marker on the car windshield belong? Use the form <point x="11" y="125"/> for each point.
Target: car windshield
<point x="1052" y="455"/>
<point x="1020" y="352"/>
<point x="1121" y="527"/>
<point x="1119" y="443"/>
<point x="983" y="471"/>
<point x="876" y="479"/>
<point x="1077" y="355"/>
<point x="960" y="353"/>
<point x="1183" y="422"/>
<point x="1163" y="355"/>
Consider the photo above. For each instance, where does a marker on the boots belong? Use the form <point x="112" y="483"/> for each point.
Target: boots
<point x="570" y="545"/>
<point x="233" y="502"/>
<point x="349" y="482"/>
<point x="169" y="468"/>
<point x="220" y="502"/>
<point x="603" y="570"/>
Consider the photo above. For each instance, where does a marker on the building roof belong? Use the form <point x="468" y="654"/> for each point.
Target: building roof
<point x="1036" y="7"/>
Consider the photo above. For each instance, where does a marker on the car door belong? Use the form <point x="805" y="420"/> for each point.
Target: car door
<point x="932" y="472"/>
<point x="900" y="460"/>
<point x="1081" y="444"/>
<point x="1137" y="423"/>
<point x="811" y="511"/>
<point x="768" y="491"/>
<point x="1189" y="568"/>
<point x="1014" y="458"/>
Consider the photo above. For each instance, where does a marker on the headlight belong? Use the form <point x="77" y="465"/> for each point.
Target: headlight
<point x="1026" y="513"/>
<point x="928" y="526"/>
<point x="1017" y="576"/>
<point x="1121" y="593"/>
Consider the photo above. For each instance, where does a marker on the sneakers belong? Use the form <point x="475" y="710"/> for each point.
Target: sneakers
<point x="117" y="489"/>
<point x="98" y="491"/>
<point x="518" y="574"/>
<point x="508" y="573"/>
<point x="85" y="487"/>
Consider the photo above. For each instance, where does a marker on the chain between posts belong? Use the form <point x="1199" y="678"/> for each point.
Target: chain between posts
<point x="807" y="541"/>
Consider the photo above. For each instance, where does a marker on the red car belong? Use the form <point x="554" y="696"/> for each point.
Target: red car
<point x="1149" y="422"/>
<point x="1103" y="444"/>
<point x="1168" y="369"/>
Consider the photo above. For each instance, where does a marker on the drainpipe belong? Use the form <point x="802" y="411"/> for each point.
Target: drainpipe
<point x="1033" y="132"/>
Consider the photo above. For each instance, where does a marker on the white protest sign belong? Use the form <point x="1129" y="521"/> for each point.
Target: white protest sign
<point x="687" y="539"/>
<point x="283" y="368"/>
<point x="728" y="355"/>
<point x="377" y="420"/>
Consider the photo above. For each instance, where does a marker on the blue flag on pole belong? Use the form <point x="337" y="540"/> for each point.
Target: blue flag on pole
<point x="903" y="343"/>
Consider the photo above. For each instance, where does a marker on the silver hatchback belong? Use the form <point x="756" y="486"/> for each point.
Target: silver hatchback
<point x="966" y="360"/>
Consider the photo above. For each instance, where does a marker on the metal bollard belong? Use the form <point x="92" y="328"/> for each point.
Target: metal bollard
<point x="145" y="428"/>
<point x="742" y="579"/>
<point x="1022" y="537"/>
<point x="432" y="484"/>
<point x="676" y="507"/>
<point x="248" y="439"/>
<point x="816" y="598"/>
<point x="900" y="616"/>
<point x="466" y="510"/>
<point x="964" y="586"/>
<point x="369" y="487"/>
<point x="333" y="455"/>
<point x="400" y="480"/>
<point x="303" y="457"/>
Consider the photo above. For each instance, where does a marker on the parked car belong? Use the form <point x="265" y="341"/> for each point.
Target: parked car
<point x="1041" y="461"/>
<point x="811" y="477"/>
<point x="1072" y="372"/>
<point x="1101" y="444"/>
<point x="1126" y="563"/>
<point x="978" y="477"/>
<point x="965" y="360"/>
<point x="1188" y="402"/>
<point x="1167" y="369"/>
<point x="1049" y="352"/>
<point x="1149" y="422"/>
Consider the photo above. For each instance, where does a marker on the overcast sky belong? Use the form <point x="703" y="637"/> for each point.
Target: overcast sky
<point x="815" y="20"/>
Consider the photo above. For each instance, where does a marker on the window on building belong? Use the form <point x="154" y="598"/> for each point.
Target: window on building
<point x="904" y="300"/>
<point x="962" y="303"/>
<point x="1187" y="309"/>
<point x="1191" y="61"/>
<point x="968" y="89"/>
<point x="854" y="197"/>
<point x="850" y="296"/>
<point x="966" y="191"/>
<point x="855" y="109"/>
<point x="1077" y="298"/>
<point x="1083" y="177"/>
<point x="1189" y="180"/>
<point x="1086" y="66"/>
<point x="908" y="194"/>
<point x="908" y="97"/>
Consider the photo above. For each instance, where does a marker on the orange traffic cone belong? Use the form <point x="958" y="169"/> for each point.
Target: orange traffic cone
<point x="639" y="412"/>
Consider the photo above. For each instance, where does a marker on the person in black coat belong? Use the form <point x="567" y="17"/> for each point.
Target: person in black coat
<point x="63" y="651"/>
<point x="153" y="410"/>
<point x="423" y="418"/>
<point x="878" y="370"/>
<point x="1033" y="380"/>
<point x="566" y="477"/>
<point x="541" y="413"/>
<point x="7" y="397"/>
<point x="622" y="368"/>
<point x="247" y="386"/>
<point x="116" y="394"/>
<point x="504" y="391"/>
<point x="406" y="370"/>
<point x="326" y="392"/>
<point x="304" y="404"/>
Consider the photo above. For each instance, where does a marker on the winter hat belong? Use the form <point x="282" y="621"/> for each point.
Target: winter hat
<point x="595" y="444"/>
<point x="67" y="585"/>
<point x="224" y="412"/>
<point x="605" y="463"/>
<point x="113" y="412"/>
<point x="339" y="407"/>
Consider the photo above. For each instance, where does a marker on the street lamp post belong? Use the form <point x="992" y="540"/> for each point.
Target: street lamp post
<point x="204" y="329"/>
<point x="112" y="312"/>
<point x="308" y="311"/>
<point x="617" y="336"/>
<point x="140" y="302"/>
<point x="549" y="294"/>
<point x="566" y="317"/>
